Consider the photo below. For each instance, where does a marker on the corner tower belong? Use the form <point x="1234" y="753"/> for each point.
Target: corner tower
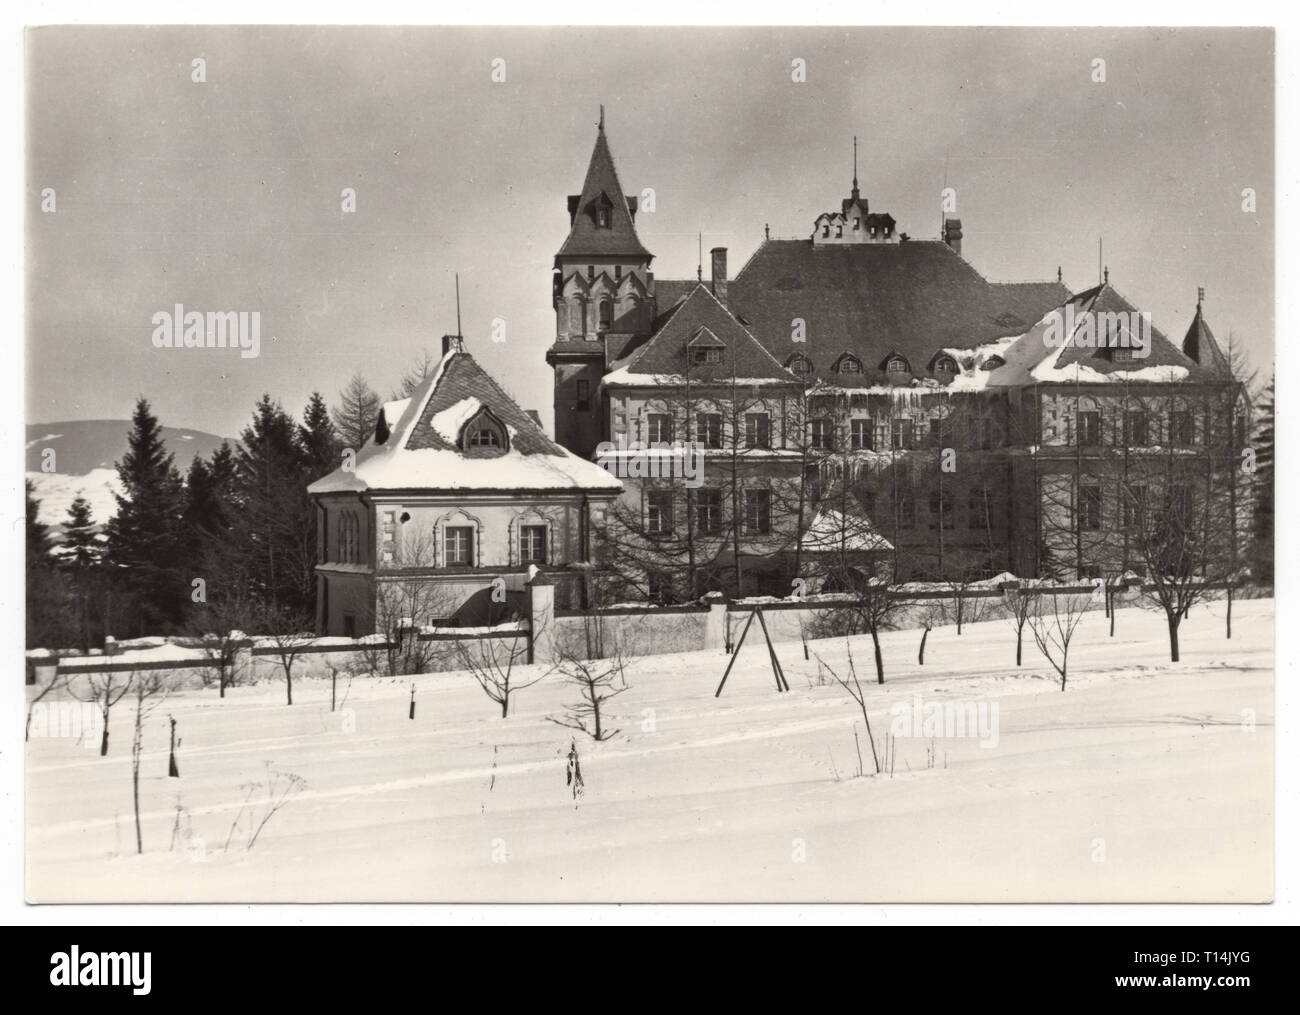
<point x="603" y="294"/>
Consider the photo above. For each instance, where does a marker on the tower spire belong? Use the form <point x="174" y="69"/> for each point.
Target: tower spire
<point x="1200" y="297"/>
<point x="855" y="167"/>
<point x="601" y="126"/>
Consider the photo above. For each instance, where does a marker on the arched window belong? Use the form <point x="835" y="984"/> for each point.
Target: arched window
<point x="606" y="313"/>
<point x="850" y="365"/>
<point x="577" y="322"/>
<point x="897" y="365"/>
<point x="945" y="365"/>
<point x="484" y="433"/>
<point x="800" y="365"/>
<point x="340" y="538"/>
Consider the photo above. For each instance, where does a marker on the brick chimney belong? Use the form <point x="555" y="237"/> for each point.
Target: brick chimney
<point x="952" y="234"/>
<point x="719" y="255"/>
<point x="452" y="343"/>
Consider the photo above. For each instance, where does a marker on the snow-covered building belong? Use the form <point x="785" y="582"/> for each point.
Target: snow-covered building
<point x="450" y="506"/>
<point x="891" y="364"/>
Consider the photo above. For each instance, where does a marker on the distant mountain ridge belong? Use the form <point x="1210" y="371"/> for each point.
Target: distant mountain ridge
<point x="86" y="452"/>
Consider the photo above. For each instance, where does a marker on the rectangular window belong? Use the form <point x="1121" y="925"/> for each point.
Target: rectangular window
<point x="1135" y="504"/>
<point x="902" y="434"/>
<point x="758" y="430"/>
<point x="708" y="429"/>
<point x="388" y="537"/>
<point x="1180" y="429"/>
<point x="822" y="434"/>
<point x="1089" y="508"/>
<point x="1089" y="429"/>
<point x="659" y="512"/>
<point x="857" y="224"/>
<point x="532" y="544"/>
<point x="349" y="625"/>
<point x="618" y="273"/>
<point x="708" y="511"/>
<point x="936" y="433"/>
<point x="659" y="588"/>
<point x="659" y="428"/>
<point x="709" y="354"/>
<point x="758" y="512"/>
<point x="458" y="546"/>
<point x="937" y="502"/>
<point x="1135" y="429"/>
<point x="584" y="396"/>
<point x="861" y="434"/>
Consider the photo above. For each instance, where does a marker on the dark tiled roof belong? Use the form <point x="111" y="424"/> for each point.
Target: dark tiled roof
<point x="914" y="297"/>
<point x="1104" y="299"/>
<point x="1199" y="344"/>
<point x="463" y="378"/>
<point x="665" y="352"/>
<point x="602" y="189"/>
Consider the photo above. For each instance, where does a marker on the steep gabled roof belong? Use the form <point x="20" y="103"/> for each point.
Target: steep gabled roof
<point x="1200" y="345"/>
<point x="664" y="356"/>
<point x="1032" y="358"/>
<point x="422" y="451"/>
<point x="915" y="297"/>
<point x="601" y="189"/>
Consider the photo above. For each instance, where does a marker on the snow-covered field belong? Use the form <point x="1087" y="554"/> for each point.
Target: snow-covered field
<point x="1143" y="781"/>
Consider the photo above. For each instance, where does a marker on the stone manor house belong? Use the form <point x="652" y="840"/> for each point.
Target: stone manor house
<point x="866" y="403"/>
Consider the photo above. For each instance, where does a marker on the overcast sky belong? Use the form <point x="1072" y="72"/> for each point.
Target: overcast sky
<point x="225" y="195"/>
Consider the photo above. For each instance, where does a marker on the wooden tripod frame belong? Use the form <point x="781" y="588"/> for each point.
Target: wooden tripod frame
<point x="781" y="683"/>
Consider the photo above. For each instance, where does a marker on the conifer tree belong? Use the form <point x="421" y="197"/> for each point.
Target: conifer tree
<point x="146" y="551"/>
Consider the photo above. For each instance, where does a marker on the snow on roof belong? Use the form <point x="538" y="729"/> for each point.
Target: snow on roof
<point x="832" y="531"/>
<point x="422" y="453"/>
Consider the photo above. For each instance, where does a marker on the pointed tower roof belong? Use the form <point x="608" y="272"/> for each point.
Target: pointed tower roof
<point x="601" y="192"/>
<point x="1199" y="343"/>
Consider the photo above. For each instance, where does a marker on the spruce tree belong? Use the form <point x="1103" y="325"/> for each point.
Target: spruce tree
<point x="146" y="549"/>
<point x="276" y="527"/>
<point x="317" y="438"/>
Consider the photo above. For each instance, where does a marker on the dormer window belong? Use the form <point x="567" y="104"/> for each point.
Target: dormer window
<point x="873" y="231"/>
<point x="826" y="231"/>
<point x="897" y="365"/>
<point x="945" y="365"/>
<point x="849" y="365"/>
<point x="800" y="365"/>
<point x="707" y="354"/>
<point x="839" y="230"/>
<point x="857" y="224"/>
<point x="602" y="218"/>
<point x="484" y="434"/>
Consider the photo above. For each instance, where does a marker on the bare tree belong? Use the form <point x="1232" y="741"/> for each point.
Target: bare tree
<point x="1053" y="619"/>
<point x="596" y="681"/>
<point x="150" y="689"/>
<point x="280" y="788"/>
<point x="55" y="680"/>
<point x="406" y="600"/>
<point x="289" y="633"/>
<point x="105" y="690"/>
<point x="492" y="662"/>
<point x="1018" y="606"/>
<point x="853" y="687"/>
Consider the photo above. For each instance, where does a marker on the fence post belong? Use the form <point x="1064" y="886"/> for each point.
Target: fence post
<point x="241" y="659"/>
<point x="715" y="624"/>
<point x="541" y="620"/>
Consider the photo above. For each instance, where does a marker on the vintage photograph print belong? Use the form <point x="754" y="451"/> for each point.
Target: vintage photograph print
<point x="649" y="464"/>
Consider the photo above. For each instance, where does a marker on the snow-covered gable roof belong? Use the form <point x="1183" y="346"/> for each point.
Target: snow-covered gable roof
<point x="832" y="531"/>
<point x="699" y="320"/>
<point x="425" y="449"/>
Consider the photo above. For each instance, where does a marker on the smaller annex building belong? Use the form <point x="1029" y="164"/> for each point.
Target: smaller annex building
<point x="454" y="502"/>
